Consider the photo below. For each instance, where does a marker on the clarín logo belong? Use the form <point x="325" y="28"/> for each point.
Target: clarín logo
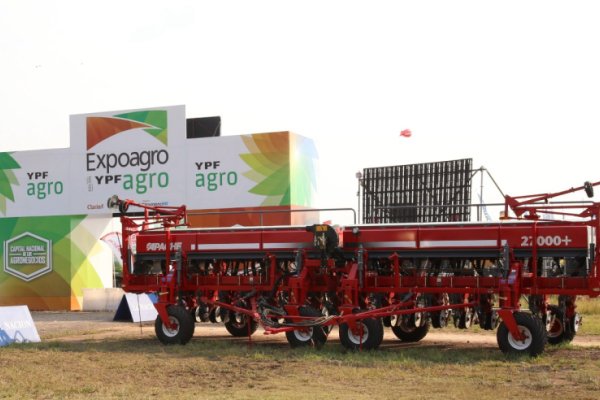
<point x="7" y="179"/>
<point x="153" y="122"/>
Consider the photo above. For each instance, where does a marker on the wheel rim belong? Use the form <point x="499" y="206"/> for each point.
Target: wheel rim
<point x="468" y="318"/>
<point x="443" y="317"/>
<point x="407" y="328"/>
<point x="239" y="320"/>
<point x="303" y="335"/>
<point x="218" y="314"/>
<point x="521" y="344"/>
<point x="356" y="338"/>
<point x="171" y="332"/>
<point x="556" y="328"/>
<point x="576" y="322"/>
<point x="418" y="319"/>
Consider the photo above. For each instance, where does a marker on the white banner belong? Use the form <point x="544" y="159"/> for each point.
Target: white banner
<point x="144" y="155"/>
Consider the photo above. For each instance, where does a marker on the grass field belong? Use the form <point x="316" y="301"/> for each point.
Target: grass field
<point x="225" y="370"/>
<point x="214" y="368"/>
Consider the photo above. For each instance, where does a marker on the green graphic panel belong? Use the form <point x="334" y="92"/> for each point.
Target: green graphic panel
<point x="7" y="179"/>
<point x="283" y="168"/>
<point x="84" y="274"/>
<point x="64" y="276"/>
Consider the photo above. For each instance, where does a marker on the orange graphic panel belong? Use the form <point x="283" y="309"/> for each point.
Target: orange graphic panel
<point x="101" y="128"/>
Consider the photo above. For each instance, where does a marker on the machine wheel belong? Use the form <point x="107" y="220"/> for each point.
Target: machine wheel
<point x="314" y="336"/>
<point x="439" y="319"/>
<point x="489" y="321"/>
<point x="195" y="313"/>
<point x="559" y="330"/>
<point x="183" y="331"/>
<point x="387" y="321"/>
<point x="237" y="324"/>
<point x="326" y="311"/>
<point x="200" y="313"/>
<point x="533" y="330"/>
<point x="464" y="318"/>
<point x="411" y="334"/>
<point x="372" y="334"/>
<point x="214" y="315"/>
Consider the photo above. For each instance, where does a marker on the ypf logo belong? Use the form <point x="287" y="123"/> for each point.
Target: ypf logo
<point x="27" y="256"/>
<point x="153" y="122"/>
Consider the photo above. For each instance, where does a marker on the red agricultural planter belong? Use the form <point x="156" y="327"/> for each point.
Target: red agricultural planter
<point x="302" y="281"/>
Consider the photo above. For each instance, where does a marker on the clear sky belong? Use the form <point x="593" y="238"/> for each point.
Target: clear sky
<point x="515" y="85"/>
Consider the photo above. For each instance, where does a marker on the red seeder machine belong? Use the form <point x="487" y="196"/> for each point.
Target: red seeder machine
<point x="302" y="281"/>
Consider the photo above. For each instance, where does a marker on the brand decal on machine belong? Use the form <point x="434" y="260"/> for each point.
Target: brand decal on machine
<point x="161" y="246"/>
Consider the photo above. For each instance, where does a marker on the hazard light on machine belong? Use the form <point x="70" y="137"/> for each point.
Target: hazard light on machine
<point x="27" y="256"/>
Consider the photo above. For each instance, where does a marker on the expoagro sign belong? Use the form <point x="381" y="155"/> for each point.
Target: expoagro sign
<point x="145" y="155"/>
<point x="53" y="208"/>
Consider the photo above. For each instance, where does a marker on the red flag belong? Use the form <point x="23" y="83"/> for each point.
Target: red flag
<point x="406" y="133"/>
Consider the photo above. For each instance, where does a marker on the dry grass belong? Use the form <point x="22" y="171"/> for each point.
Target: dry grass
<point x="138" y="367"/>
<point x="217" y="369"/>
<point x="588" y="306"/>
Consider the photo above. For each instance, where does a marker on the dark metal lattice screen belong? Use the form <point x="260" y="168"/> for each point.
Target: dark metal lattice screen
<point x="429" y="192"/>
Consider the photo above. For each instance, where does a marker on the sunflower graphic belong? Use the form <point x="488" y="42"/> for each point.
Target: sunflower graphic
<point x="7" y="179"/>
<point x="283" y="167"/>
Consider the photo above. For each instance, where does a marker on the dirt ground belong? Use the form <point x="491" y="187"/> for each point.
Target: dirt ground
<point x="79" y="326"/>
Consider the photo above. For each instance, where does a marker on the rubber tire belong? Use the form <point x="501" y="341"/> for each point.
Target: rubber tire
<point x="200" y="313"/>
<point x="489" y="321"/>
<point x="237" y="329"/>
<point x="185" y="326"/>
<point x="436" y="319"/>
<point x="411" y="335"/>
<point x="565" y="333"/>
<point x="313" y="337"/>
<point x="373" y="327"/>
<point x="537" y="332"/>
<point x="195" y="313"/>
<point x="387" y="321"/>
<point x="466" y="317"/>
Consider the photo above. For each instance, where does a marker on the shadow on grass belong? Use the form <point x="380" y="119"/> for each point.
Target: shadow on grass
<point x="221" y="347"/>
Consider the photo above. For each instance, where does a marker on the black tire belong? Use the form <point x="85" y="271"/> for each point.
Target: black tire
<point x="464" y="318"/>
<point x="531" y="327"/>
<point x="489" y="321"/>
<point x="200" y="313"/>
<point x="559" y="329"/>
<point x="411" y="334"/>
<point x="439" y="319"/>
<point x="195" y="313"/>
<point x="315" y="336"/>
<point x="214" y="315"/>
<point x="183" y="331"/>
<point x="326" y="311"/>
<point x="237" y="324"/>
<point x="372" y="335"/>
